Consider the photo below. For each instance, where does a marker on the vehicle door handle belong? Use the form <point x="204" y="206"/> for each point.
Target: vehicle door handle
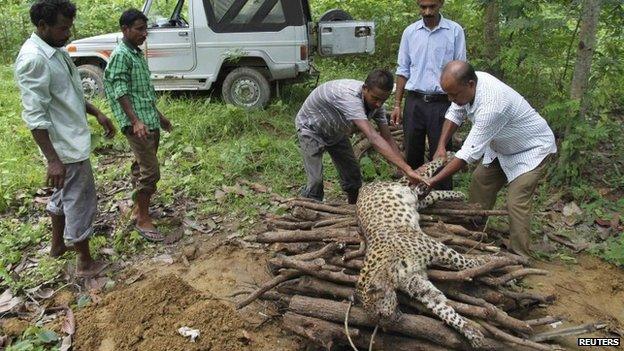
<point x="183" y="34"/>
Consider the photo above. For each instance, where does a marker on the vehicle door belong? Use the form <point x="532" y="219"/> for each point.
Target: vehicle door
<point x="338" y="37"/>
<point x="170" y="44"/>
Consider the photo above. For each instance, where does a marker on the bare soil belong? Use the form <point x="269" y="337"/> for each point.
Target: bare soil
<point x="145" y="314"/>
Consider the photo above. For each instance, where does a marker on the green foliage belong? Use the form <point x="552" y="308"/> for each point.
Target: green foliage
<point x="36" y="339"/>
<point x="611" y="250"/>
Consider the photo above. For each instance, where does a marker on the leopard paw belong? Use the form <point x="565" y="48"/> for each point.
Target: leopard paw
<point x="474" y="336"/>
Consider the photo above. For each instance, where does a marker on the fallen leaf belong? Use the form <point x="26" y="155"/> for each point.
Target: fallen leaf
<point x="42" y="200"/>
<point x="8" y="301"/>
<point x="69" y="323"/>
<point x="108" y="251"/>
<point x="134" y="278"/>
<point x="571" y="209"/>
<point x="219" y="195"/>
<point x="96" y="284"/>
<point x="164" y="258"/>
<point x="66" y="344"/>
<point x="3" y="340"/>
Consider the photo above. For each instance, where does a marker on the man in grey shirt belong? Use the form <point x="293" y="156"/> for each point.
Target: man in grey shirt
<point x="55" y="112"/>
<point x="328" y="117"/>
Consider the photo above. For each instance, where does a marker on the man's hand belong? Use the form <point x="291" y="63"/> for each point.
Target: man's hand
<point x="165" y="123"/>
<point x="396" y="115"/>
<point x="440" y="153"/>
<point x="140" y="130"/>
<point x="56" y="174"/>
<point x="413" y="177"/>
<point x="107" y="124"/>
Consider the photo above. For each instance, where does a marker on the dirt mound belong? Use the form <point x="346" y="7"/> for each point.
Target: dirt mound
<point x="147" y="315"/>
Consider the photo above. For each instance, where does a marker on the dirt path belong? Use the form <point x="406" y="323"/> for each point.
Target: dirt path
<point x="145" y="314"/>
<point x="586" y="292"/>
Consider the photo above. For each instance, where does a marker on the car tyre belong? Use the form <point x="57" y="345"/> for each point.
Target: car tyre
<point x="246" y="87"/>
<point x="92" y="78"/>
<point x="335" y="15"/>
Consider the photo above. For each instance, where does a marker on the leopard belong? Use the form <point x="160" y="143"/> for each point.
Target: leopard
<point x="399" y="252"/>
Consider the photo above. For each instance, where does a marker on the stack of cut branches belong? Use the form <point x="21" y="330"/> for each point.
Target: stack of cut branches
<point x="318" y="256"/>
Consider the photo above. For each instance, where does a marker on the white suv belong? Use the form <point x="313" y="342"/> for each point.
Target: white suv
<point x="244" y="45"/>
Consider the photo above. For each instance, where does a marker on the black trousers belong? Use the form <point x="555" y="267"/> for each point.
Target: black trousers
<point x="423" y="121"/>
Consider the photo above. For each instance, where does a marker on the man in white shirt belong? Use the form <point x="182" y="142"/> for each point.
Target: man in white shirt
<point x="55" y="112"/>
<point x="513" y="140"/>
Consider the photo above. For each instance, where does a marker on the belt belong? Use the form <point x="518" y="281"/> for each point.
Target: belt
<point x="428" y="97"/>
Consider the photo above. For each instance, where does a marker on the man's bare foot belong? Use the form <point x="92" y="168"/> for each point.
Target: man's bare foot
<point x="57" y="250"/>
<point x="90" y="269"/>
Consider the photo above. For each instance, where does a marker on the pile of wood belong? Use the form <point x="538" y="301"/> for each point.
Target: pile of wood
<point x="318" y="256"/>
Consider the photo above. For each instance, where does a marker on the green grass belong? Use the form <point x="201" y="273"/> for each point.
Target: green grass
<point x="212" y="146"/>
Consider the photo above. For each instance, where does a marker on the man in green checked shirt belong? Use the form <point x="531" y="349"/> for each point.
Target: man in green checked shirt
<point x="133" y="100"/>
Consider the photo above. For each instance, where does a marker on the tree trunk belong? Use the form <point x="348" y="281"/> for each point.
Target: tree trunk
<point x="492" y="36"/>
<point x="590" y="13"/>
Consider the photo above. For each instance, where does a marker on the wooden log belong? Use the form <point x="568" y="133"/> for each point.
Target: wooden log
<point x="361" y="251"/>
<point x="290" y="236"/>
<point x="455" y="229"/>
<point x="577" y="330"/>
<point x="543" y="320"/>
<point x="333" y="221"/>
<point x="494" y="313"/>
<point x="282" y="277"/>
<point x="468" y="274"/>
<point x="314" y="268"/>
<point x="501" y="335"/>
<point x="411" y="325"/>
<point x="321" y="332"/>
<point x="463" y="212"/>
<point x="273" y="224"/>
<point x="469" y="243"/>
<point x="343" y="210"/>
<point x="325" y="251"/>
<point x="293" y="248"/>
<point x="304" y="325"/>
<point x="512" y="275"/>
<point x="519" y="296"/>
<point x="311" y="286"/>
<point x="307" y="214"/>
<point x="355" y="265"/>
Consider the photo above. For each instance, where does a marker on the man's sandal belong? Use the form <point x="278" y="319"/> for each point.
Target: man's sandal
<point x="150" y="234"/>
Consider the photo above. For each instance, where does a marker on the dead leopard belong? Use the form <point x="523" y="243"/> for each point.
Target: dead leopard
<point x="399" y="252"/>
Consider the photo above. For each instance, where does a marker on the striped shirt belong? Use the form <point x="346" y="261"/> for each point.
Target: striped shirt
<point x="504" y="126"/>
<point x="328" y="112"/>
<point x="424" y="52"/>
<point x="53" y="99"/>
<point x="127" y="73"/>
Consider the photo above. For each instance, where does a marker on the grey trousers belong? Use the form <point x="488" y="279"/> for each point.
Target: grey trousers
<point x="343" y="158"/>
<point x="77" y="201"/>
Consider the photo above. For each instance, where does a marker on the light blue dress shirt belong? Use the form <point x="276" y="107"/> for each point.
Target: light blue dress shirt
<point x="53" y="99"/>
<point x="424" y="52"/>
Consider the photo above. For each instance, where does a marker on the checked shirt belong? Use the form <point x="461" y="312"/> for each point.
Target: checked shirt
<point x="127" y="74"/>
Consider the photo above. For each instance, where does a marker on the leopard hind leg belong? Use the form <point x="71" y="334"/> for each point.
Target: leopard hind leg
<point x="443" y="255"/>
<point x="420" y="288"/>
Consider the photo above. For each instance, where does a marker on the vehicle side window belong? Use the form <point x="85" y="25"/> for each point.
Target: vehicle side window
<point x="168" y="14"/>
<point x="253" y="15"/>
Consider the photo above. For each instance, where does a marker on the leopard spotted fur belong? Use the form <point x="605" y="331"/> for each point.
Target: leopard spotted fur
<point x="398" y="253"/>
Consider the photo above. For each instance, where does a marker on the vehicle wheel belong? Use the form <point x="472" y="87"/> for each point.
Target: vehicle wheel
<point x="246" y="87"/>
<point x="335" y="15"/>
<point x="92" y="78"/>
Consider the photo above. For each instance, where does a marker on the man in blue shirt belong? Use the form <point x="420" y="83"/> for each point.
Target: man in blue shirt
<point x="426" y="47"/>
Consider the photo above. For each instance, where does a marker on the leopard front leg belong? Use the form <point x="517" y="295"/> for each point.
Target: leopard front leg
<point x="420" y="288"/>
